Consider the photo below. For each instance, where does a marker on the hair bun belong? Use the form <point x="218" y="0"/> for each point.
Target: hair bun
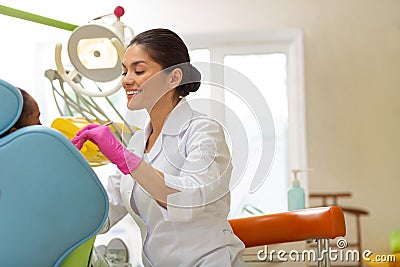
<point x="190" y="81"/>
<point x="195" y="77"/>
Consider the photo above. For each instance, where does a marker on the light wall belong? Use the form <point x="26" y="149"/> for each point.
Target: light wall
<point x="352" y="66"/>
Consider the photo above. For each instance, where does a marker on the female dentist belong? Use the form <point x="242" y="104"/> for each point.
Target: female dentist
<point x="176" y="170"/>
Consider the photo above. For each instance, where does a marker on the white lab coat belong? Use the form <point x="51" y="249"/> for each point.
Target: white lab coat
<point x="193" y="231"/>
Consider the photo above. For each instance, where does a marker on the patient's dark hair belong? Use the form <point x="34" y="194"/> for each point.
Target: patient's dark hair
<point x="27" y="110"/>
<point x="167" y="49"/>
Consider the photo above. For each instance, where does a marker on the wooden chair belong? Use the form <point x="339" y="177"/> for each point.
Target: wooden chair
<point x="332" y="199"/>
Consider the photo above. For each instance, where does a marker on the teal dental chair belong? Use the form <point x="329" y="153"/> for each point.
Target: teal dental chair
<point x="52" y="204"/>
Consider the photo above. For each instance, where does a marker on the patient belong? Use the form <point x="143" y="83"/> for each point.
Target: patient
<point x="30" y="113"/>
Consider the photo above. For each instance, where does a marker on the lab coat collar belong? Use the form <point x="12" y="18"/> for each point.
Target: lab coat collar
<point x="177" y="122"/>
<point x="179" y="118"/>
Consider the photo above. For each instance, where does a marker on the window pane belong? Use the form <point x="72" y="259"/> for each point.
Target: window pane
<point x="268" y="73"/>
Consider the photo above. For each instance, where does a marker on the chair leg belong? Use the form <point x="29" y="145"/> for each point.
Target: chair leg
<point x="319" y="252"/>
<point x="327" y="253"/>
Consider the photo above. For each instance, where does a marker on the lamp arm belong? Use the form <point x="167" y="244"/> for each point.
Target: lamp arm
<point x="132" y="34"/>
<point x="12" y="12"/>
<point x="57" y="56"/>
<point x="78" y="89"/>
<point x="120" y="48"/>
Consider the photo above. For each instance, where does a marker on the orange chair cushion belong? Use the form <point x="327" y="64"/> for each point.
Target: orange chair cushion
<point x="298" y="225"/>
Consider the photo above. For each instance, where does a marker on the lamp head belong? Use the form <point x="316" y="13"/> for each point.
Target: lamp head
<point x="92" y="54"/>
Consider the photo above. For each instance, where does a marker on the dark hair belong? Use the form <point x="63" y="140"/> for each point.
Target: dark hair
<point x="167" y="49"/>
<point x="27" y="110"/>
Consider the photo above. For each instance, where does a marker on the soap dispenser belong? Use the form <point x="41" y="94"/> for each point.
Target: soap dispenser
<point x="296" y="196"/>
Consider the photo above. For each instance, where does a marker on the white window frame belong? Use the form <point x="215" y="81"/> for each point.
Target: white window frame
<point x="287" y="41"/>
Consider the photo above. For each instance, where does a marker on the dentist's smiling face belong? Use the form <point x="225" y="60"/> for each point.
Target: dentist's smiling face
<point x="143" y="81"/>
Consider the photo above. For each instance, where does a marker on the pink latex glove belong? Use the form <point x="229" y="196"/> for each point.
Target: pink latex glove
<point x="102" y="136"/>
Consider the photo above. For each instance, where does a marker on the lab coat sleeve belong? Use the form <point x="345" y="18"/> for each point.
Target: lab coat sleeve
<point x="117" y="210"/>
<point x="205" y="173"/>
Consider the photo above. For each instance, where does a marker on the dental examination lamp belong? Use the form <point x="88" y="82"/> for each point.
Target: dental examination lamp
<point x="95" y="51"/>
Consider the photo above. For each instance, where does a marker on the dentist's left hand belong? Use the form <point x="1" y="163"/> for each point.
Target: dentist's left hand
<point x="102" y="136"/>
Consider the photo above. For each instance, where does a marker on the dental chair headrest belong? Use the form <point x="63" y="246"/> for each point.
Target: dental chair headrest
<point x="11" y="105"/>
